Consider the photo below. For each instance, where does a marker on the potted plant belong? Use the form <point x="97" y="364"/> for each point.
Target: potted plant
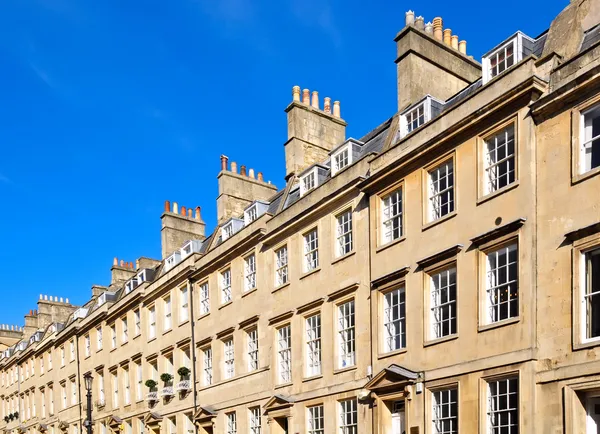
<point x="184" y="372"/>
<point x="166" y="377"/>
<point x="16" y="414"/>
<point x="11" y="416"/>
<point x="150" y="384"/>
<point x="6" y="419"/>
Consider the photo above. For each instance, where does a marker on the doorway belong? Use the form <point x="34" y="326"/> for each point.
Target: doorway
<point x="398" y="418"/>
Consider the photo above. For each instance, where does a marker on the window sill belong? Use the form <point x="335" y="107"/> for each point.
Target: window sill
<point x="589" y="343"/>
<point x="346" y="369"/>
<point x="281" y="287"/>
<point x="390" y="244"/>
<point x="439" y="220"/>
<point x="204" y="315"/>
<point x="496" y="193"/>
<point x="502" y="323"/>
<point x="124" y="343"/>
<point x="152" y="339"/>
<point x="225" y="304"/>
<point x="440" y="340"/>
<point x="341" y="258"/>
<point x="250" y="291"/>
<point x="167" y="331"/>
<point x="137" y="336"/>
<point x="282" y="385"/>
<point x="391" y="353"/>
<point x="583" y="176"/>
<point x="314" y="377"/>
<point x="113" y="349"/>
<point x="308" y="273"/>
<point x="98" y="350"/>
<point x="182" y="323"/>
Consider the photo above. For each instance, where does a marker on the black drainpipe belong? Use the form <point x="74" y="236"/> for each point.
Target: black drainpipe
<point x="193" y="348"/>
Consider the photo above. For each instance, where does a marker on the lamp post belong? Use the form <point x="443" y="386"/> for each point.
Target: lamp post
<point x="87" y="377"/>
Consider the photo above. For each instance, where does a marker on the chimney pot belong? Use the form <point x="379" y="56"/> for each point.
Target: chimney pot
<point x="327" y="105"/>
<point x="409" y="18"/>
<point x="167" y="206"/>
<point x="190" y="213"/>
<point x="455" y="42"/>
<point x="462" y="47"/>
<point x="336" y="109"/>
<point x="67" y="301"/>
<point x="296" y="93"/>
<point x="175" y="207"/>
<point x="61" y="299"/>
<point x="429" y="28"/>
<point x="122" y="263"/>
<point x="315" y="99"/>
<point x="183" y="210"/>
<point x="251" y="173"/>
<point x="448" y="37"/>
<point x="305" y="96"/>
<point x="234" y="167"/>
<point x="45" y="298"/>
<point x="243" y="170"/>
<point x="197" y="213"/>
<point x="437" y="28"/>
<point x="137" y="264"/>
<point x="224" y="162"/>
<point x="420" y="23"/>
<point x="115" y="261"/>
<point x="260" y="176"/>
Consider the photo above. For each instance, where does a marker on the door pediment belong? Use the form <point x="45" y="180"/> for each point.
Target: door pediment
<point x="394" y="376"/>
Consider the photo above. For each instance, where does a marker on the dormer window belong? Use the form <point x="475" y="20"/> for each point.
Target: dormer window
<point x="172" y="260"/>
<point x="419" y="114"/>
<point x="312" y="178"/>
<point x="189" y="247"/>
<point x="505" y="55"/>
<point x="230" y="228"/>
<point x="340" y="160"/>
<point x="254" y="211"/>
<point x="345" y="155"/>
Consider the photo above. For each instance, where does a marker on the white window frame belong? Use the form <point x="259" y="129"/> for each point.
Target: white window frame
<point x="311" y="250"/>
<point x="442" y="309"/>
<point x="281" y="266"/>
<point x="167" y="313"/>
<point x="493" y="287"/>
<point x="315" y="419"/>
<point x="512" y="388"/>
<point x="225" y="283"/>
<point x="227" y="231"/>
<point x="139" y="381"/>
<point x="284" y="354"/>
<point x="491" y="145"/>
<point x="252" y="341"/>
<point x="339" y="161"/>
<point x="313" y="345"/>
<point x="207" y="366"/>
<point x="586" y="145"/>
<point x="254" y="420"/>
<point x="444" y="411"/>
<point x="151" y="322"/>
<point x="344" y="233"/>
<point x="126" y="385"/>
<point x="346" y="334"/>
<point x="204" y="298"/>
<point x="115" y="385"/>
<point x="231" y="422"/>
<point x="394" y="321"/>
<point x="309" y="181"/>
<point x="137" y="316"/>
<point x="517" y="43"/>
<point x="87" y="343"/>
<point x="408" y="117"/>
<point x="124" y="330"/>
<point x="586" y="295"/>
<point x="251" y="214"/>
<point x="228" y="358"/>
<point x="98" y="338"/>
<point x="113" y="336"/>
<point x="441" y="200"/>
<point x="184" y="303"/>
<point x="250" y="272"/>
<point x="389" y="219"/>
<point x="348" y="411"/>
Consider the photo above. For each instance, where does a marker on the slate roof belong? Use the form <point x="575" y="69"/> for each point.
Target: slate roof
<point x="591" y="37"/>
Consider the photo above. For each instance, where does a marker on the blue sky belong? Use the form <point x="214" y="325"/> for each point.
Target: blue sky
<point x="110" y="107"/>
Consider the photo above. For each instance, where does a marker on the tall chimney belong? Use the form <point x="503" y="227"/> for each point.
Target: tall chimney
<point x="312" y="133"/>
<point x="429" y="65"/>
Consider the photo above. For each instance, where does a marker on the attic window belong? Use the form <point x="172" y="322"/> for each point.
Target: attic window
<point x="231" y="227"/>
<point x="341" y="159"/>
<point x="308" y="182"/>
<point x="227" y="231"/>
<point x="507" y="54"/>
<point x="172" y="260"/>
<point x="251" y="214"/>
<point x="419" y="114"/>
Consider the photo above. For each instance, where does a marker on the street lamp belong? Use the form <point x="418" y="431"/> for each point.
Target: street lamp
<point x="87" y="377"/>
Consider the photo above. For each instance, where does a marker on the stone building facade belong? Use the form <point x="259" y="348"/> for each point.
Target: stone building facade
<point x="438" y="275"/>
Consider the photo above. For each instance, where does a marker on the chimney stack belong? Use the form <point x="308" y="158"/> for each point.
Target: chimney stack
<point x="430" y="61"/>
<point x="177" y="228"/>
<point x="237" y="191"/>
<point x="312" y="132"/>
